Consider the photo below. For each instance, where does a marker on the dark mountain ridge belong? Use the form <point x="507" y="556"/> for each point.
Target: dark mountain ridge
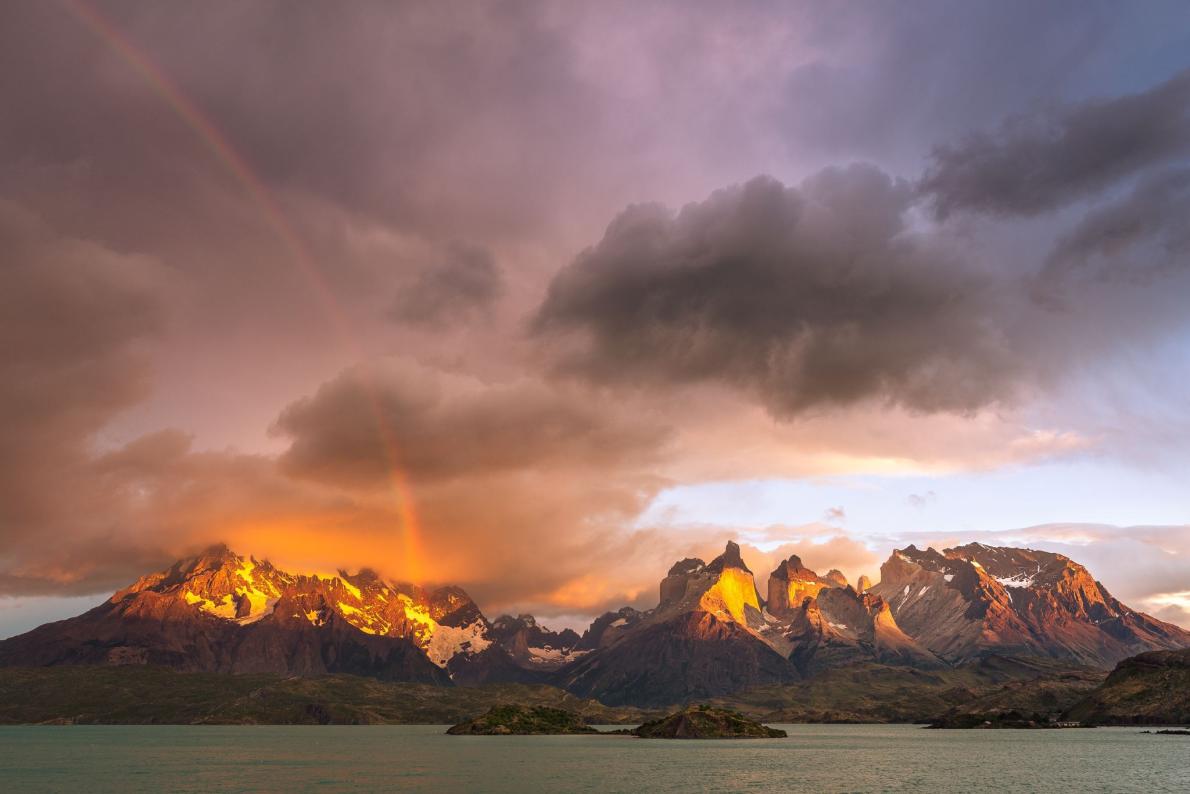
<point x="711" y="634"/>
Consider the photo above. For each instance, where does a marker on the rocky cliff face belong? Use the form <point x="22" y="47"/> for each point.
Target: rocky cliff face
<point x="791" y="584"/>
<point x="710" y="634"/>
<point x="221" y="612"/>
<point x="609" y="627"/>
<point x="703" y="639"/>
<point x="831" y="624"/>
<point x="535" y="647"/>
<point x="970" y="600"/>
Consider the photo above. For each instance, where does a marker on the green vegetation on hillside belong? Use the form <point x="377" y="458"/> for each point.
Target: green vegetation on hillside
<point x="152" y="695"/>
<point x="878" y="693"/>
<point x="706" y="722"/>
<point x="507" y="719"/>
<point x="1149" y="689"/>
<point x="860" y="693"/>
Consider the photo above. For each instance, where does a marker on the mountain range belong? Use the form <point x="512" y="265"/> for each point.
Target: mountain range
<point x="712" y="632"/>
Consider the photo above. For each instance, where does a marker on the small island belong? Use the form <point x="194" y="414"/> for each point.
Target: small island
<point x="694" y="722"/>
<point x="514" y="720"/>
<point x="706" y="722"/>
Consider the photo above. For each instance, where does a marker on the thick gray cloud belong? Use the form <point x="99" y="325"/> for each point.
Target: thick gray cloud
<point x="74" y="320"/>
<point x="71" y="317"/>
<point x="810" y="296"/>
<point x="1034" y="163"/>
<point x="209" y="209"/>
<point x="359" y="427"/>
<point x="391" y="110"/>
<point x="1133" y="239"/>
<point x="464" y="282"/>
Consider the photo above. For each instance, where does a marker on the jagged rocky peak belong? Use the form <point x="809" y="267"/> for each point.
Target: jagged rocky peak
<point x="865" y="618"/>
<point x="730" y="558"/>
<point x="907" y="563"/>
<point x="534" y="634"/>
<point x="724" y="587"/>
<point x="1014" y="567"/>
<point x="673" y="586"/>
<point x="211" y="559"/>
<point x="218" y="583"/>
<point x="218" y="611"/>
<point x="732" y="593"/>
<point x="849" y="611"/>
<point x="967" y="600"/>
<point x="864" y="584"/>
<point x="793" y="570"/>
<point x="506" y="624"/>
<point x="533" y="646"/>
<point x="369" y="584"/>
<point x="927" y="557"/>
<point x="978" y="566"/>
<point x="452" y="606"/>
<point x="608" y="626"/>
<point x="836" y="577"/>
<point x="686" y="566"/>
<point x="690" y="578"/>
<point x="791" y="584"/>
<point x="214" y="556"/>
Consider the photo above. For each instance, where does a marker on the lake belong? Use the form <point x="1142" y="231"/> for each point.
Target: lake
<point x="821" y="758"/>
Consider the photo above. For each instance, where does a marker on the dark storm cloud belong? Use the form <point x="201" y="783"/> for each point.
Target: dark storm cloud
<point x="810" y="296"/>
<point x="1133" y="239"/>
<point x="74" y="317"/>
<point x="1038" y="162"/>
<point x="71" y="316"/>
<point x="438" y="426"/>
<point x="145" y="287"/>
<point x="465" y="281"/>
<point x="888" y="80"/>
<point x="401" y="112"/>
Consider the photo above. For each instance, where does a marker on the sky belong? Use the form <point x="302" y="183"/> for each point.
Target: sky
<point x="538" y="298"/>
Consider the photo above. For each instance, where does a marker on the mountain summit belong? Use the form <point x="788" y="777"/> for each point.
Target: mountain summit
<point x="969" y="601"/>
<point x="710" y="634"/>
<point x="218" y="611"/>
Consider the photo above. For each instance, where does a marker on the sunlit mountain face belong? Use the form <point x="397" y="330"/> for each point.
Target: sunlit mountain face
<point x="512" y="308"/>
<point x="992" y="611"/>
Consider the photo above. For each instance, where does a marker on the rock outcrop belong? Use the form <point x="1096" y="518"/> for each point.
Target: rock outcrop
<point x="710" y="635"/>
<point x="975" y="599"/>
<point x="791" y="584"/>
<point x="836" y="578"/>
<point x="533" y="646"/>
<point x="513" y="719"/>
<point x="705" y="722"/>
<point x="705" y="638"/>
<point x="221" y="612"/>
<point x="1148" y="689"/>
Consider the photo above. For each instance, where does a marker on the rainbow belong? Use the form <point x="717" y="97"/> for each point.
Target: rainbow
<point x="222" y="149"/>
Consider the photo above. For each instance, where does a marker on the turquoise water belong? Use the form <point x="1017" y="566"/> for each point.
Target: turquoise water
<point x="821" y="758"/>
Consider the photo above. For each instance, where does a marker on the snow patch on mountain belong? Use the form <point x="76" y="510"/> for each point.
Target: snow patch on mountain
<point x="1019" y="580"/>
<point x="446" y="642"/>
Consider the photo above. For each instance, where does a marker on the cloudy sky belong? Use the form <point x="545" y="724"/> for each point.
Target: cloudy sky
<point x="538" y="298"/>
